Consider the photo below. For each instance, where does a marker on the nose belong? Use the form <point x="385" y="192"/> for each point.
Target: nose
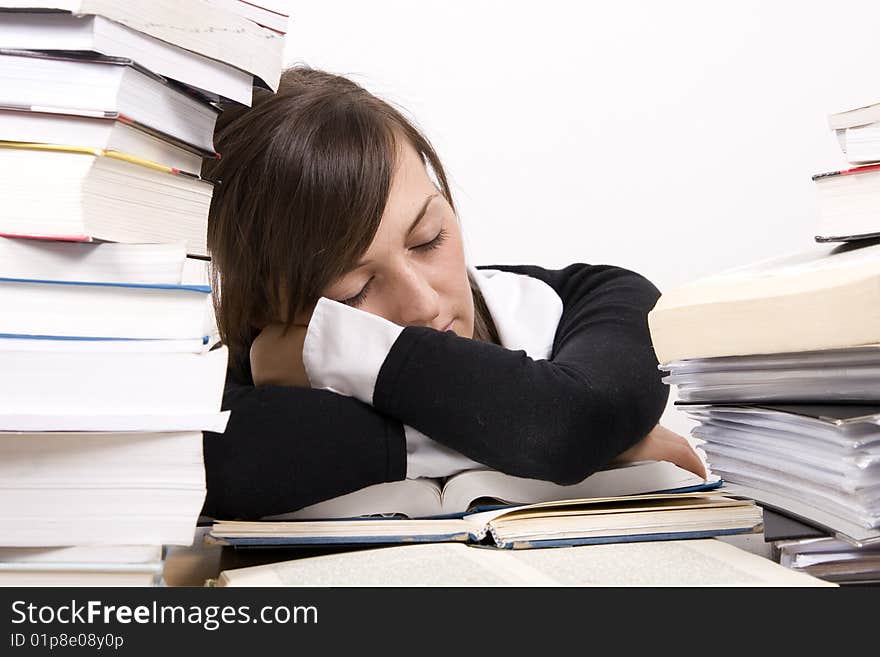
<point x="417" y="302"/>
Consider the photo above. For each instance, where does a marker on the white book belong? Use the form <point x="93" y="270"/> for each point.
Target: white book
<point x="81" y="554"/>
<point x="104" y="133"/>
<point x="20" y="30"/>
<point x="105" y="310"/>
<point x="861" y="144"/>
<point x="94" y="87"/>
<point x="154" y="422"/>
<point x="139" y="383"/>
<point x="157" y="264"/>
<point x="272" y="15"/>
<point x="79" y="195"/>
<point x="62" y="489"/>
<point x="193" y="25"/>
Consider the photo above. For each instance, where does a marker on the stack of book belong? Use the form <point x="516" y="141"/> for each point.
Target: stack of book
<point x="779" y="361"/>
<point x="108" y="335"/>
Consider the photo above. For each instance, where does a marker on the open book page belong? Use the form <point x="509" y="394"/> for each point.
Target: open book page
<point x="636" y="478"/>
<point x="661" y="563"/>
<point x="422" y="498"/>
<point x="415" y="498"/>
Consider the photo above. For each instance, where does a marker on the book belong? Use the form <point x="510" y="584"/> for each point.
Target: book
<point x="707" y="562"/>
<point x="161" y="264"/>
<point x="860" y="144"/>
<point x="271" y="14"/>
<point x="111" y="133"/>
<point x="95" y="34"/>
<point x="546" y="524"/>
<point x="425" y="497"/>
<point x="78" y="194"/>
<point x="852" y="118"/>
<point x="82" y="309"/>
<point x="105" y="87"/>
<point x="848" y="203"/>
<point x="93" y="381"/>
<point x="80" y="489"/>
<point x="770" y="307"/>
<point x="194" y="25"/>
<point x="116" y="565"/>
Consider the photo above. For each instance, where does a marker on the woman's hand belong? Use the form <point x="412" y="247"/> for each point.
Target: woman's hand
<point x="661" y="444"/>
<point x="277" y="356"/>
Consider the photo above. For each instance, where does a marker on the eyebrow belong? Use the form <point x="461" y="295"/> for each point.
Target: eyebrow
<point x="412" y="226"/>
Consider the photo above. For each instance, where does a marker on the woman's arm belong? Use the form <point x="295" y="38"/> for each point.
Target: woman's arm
<point x="558" y="419"/>
<point x="285" y="448"/>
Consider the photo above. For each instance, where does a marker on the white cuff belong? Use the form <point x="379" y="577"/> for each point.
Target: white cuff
<point x="345" y="347"/>
<point x="428" y="458"/>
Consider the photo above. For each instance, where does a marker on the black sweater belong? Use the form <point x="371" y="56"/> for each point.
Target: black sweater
<point x="558" y="419"/>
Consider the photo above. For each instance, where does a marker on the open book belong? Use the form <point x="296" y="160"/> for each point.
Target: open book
<point x="478" y="489"/>
<point x="547" y="524"/>
<point x="660" y="563"/>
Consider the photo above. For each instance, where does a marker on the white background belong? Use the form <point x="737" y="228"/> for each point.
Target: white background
<point x="674" y="138"/>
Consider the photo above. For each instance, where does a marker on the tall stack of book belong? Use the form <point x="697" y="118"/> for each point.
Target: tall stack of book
<point x="779" y="362"/>
<point x="107" y="338"/>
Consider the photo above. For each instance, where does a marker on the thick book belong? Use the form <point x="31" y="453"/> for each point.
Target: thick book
<point x="827" y="297"/>
<point x="67" y="32"/>
<point x="105" y="87"/>
<point x="85" y="309"/>
<point x="160" y="264"/>
<point x="849" y="202"/>
<point x="707" y="562"/>
<point x="860" y="144"/>
<point x="88" y="489"/>
<point x="194" y="25"/>
<point x="473" y="489"/>
<point x="95" y="381"/>
<point x="113" y="565"/>
<point x="78" y="194"/>
<point x="110" y="133"/>
<point x="546" y="524"/>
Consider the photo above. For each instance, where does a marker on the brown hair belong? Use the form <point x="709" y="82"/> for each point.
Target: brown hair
<point x="302" y="184"/>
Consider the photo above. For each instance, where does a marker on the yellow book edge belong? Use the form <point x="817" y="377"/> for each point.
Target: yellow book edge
<point x="99" y="152"/>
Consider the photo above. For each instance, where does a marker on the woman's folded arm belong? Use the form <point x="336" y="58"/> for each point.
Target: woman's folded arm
<point x="558" y="419"/>
<point x="285" y="448"/>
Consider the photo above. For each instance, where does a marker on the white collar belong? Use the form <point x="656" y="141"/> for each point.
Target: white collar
<point x="526" y="310"/>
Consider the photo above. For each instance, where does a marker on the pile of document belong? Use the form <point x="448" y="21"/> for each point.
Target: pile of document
<point x="778" y="362"/>
<point x="108" y="335"/>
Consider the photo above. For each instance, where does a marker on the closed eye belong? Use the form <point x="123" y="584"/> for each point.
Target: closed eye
<point x="360" y="297"/>
<point x="434" y="243"/>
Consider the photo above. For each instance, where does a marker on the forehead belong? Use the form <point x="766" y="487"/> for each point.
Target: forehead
<point x="410" y="187"/>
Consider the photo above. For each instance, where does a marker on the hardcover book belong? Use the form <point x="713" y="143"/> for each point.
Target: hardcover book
<point x="546" y="524"/>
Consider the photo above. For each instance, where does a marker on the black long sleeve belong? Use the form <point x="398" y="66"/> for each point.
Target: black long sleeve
<point x="558" y="419"/>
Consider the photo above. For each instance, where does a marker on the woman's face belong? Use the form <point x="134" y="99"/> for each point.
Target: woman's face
<point x="414" y="271"/>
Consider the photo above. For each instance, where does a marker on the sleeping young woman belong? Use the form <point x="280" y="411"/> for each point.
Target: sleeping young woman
<point x="365" y="348"/>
